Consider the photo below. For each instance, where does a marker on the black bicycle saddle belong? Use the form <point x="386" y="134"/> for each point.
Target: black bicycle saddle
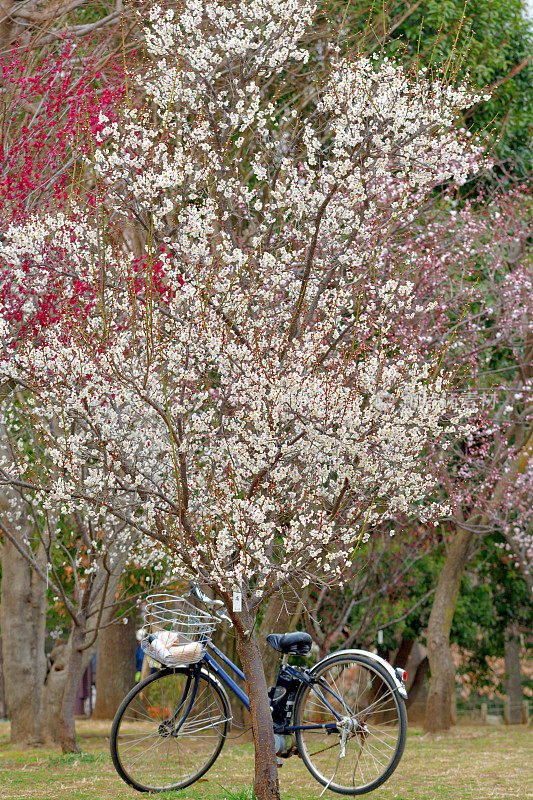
<point x="298" y="643"/>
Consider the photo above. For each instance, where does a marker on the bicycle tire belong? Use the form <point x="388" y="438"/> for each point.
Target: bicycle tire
<point x="117" y="746"/>
<point x="304" y="693"/>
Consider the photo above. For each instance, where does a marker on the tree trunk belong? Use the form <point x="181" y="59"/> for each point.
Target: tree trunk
<point x="513" y="679"/>
<point x="418" y="681"/>
<point x="404" y="651"/>
<point x="266" y="783"/>
<point x="439" y="715"/>
<point x="67" y="669"/>
<point x="3" y="709"/>
<point x="115" y="667"/>
<point x="66" y="729"/>
<point x="23" y="624"/>
<point x="224" y="639"/>
<point x="61" y="686"/>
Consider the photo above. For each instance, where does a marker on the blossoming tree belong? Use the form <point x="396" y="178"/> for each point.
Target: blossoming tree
<point x="234" y="386"/>
<point x="488" y="477"/>
<point x="47" y="102"/>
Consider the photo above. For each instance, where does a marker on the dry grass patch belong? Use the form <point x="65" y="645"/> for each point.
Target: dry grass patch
<point x="470" y="763"/>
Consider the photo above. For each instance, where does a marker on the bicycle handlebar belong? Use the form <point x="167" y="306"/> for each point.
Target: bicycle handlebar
<point x="216" y="605"/>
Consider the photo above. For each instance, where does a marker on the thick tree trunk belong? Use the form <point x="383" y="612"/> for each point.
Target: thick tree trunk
<point x="418" y="682"/>
<point x="266" y="783"/>
<point x="513" y="678"/>
<point x="23" y="624"/>
<point x="67" y="669"/>
<point x="439" y="714"/>
<point x="61" y="686"/>
<point x="115" y="667"/>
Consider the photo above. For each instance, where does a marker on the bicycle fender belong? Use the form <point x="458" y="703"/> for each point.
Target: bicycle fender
<point x="372" y="657"/>
<point x="212" y="676"/>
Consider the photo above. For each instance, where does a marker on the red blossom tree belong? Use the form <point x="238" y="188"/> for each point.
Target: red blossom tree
<point x="51" y="112"/>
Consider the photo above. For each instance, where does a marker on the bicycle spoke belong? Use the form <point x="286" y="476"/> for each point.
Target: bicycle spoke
<point x="160" y="742"/>
<point x="145" y="752"/>
<point x="386" y="744"/>
<point x="133" y="744"/>
<point x="369" y="723"/>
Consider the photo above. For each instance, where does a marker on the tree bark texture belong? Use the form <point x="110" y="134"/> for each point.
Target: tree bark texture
<point x="23" y="625"/>
<point x="115" y="667"/>
<point x="418" y="682"/>
<point x="439" y="712"/>
<point x="66" y="728"/>
<point x="513" y="679"/>
<point x="266" y="784"/>
<point x="3" y="709"/>
<point x="67" y="669"/>
<point x="225" y="640"/>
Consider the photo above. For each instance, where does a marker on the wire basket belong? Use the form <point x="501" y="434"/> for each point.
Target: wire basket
<point x="174" y="631"/>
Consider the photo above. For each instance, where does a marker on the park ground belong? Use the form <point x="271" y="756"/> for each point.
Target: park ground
<point x="469" y="763"/>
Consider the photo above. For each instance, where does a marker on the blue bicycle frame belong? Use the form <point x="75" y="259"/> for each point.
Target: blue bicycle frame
<point x="221" y="673"/>
<point x="228" y="681"/>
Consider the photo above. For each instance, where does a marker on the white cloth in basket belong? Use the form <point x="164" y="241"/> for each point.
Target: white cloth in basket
<point x="178" y="652"/>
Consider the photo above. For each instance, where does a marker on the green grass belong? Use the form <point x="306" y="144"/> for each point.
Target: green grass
<point x="470" y="763"/>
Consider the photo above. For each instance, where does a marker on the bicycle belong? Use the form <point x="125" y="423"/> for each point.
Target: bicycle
<point x="345" y="716"/>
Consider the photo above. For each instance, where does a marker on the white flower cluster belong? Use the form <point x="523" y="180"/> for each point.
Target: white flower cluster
<point x="247" y="398"/>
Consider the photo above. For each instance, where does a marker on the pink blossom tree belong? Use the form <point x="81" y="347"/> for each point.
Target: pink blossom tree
<point x="488" y="475"/>
<point x="243" y="393"/>
<point x="50" y="112"/>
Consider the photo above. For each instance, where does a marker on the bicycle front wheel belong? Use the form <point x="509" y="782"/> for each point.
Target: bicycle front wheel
<point x="159" y="743"/>
<point x="358" y="753"/>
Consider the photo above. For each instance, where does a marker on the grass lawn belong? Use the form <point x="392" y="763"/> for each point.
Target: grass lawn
<point x="470" y="763"/>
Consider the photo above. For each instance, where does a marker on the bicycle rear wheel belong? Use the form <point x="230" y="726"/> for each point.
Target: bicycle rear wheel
<point x="153" y="747"/>
<point x="365" y="749"/>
